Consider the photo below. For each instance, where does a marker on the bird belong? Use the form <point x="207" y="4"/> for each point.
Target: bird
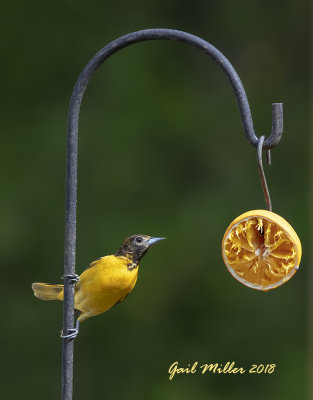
<point x="105" y="283"/>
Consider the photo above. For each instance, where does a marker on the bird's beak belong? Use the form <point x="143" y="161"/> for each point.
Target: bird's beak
<point x="153" y="240"/>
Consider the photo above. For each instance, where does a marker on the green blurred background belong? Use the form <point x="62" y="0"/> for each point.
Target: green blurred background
<point x="161" y="152"/>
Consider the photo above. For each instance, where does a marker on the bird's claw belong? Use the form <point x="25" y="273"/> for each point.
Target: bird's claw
<point x="71" y="277"/>
<point x="73" y="332"/>
<point x="72" y="335"/>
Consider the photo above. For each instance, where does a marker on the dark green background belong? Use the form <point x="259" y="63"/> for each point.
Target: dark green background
<point x="161" y="152"/>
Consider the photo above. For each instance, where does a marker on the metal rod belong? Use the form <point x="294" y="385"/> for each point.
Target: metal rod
<point x="72" y="149"/>
<point x="262" y="174"/>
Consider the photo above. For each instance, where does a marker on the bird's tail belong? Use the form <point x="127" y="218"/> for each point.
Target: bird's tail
<point x="45" y="291"/>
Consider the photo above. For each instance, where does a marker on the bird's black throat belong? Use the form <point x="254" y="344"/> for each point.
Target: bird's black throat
<point x="134" y="257"/>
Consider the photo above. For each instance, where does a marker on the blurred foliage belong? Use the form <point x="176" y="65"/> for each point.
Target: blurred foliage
<point x="162" y="152"/>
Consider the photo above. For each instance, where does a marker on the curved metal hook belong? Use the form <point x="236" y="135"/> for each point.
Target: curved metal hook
<point x="72" y="149"/>
<point x="195" y="41"/>
<point x="261" y="172"/>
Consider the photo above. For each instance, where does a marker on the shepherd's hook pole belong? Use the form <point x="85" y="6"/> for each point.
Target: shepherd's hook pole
<point x="72" y="147"/>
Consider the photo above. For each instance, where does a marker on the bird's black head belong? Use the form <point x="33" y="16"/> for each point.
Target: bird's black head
<point x="135" y="247"/>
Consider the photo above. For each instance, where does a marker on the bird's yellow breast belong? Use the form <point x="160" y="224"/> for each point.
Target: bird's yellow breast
<point x="106" y="282"/>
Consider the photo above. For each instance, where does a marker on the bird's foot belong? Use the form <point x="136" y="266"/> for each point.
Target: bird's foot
<point x="71" y="277"/>
<point x="73" y="332"/>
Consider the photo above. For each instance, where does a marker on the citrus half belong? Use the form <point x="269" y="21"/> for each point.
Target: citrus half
<point x="261" y="250"/>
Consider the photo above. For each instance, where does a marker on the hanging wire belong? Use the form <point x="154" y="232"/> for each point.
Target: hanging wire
<point x="261" y="171"/>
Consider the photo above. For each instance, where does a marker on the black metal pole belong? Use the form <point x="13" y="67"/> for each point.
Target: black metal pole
<point x="72" y="151"/>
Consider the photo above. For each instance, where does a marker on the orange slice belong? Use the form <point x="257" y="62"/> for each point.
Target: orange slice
<point x="261" y="250"/>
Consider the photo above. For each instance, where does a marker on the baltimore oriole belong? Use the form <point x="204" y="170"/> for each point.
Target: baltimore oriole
<point x="105" y="283"/>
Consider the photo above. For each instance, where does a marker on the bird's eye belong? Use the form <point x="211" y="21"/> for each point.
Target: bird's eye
<point x="138" y="239"/>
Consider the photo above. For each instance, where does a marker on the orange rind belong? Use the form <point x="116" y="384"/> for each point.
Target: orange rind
<point x="261" y="250"/>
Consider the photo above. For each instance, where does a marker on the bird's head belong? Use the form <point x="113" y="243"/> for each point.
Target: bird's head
<point x="136" y="246"/>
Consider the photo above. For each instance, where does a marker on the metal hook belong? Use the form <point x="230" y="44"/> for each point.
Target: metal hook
<point x="261" y="172"/>
<point x="72" y="154"/>
<point x="171" y="34"/>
